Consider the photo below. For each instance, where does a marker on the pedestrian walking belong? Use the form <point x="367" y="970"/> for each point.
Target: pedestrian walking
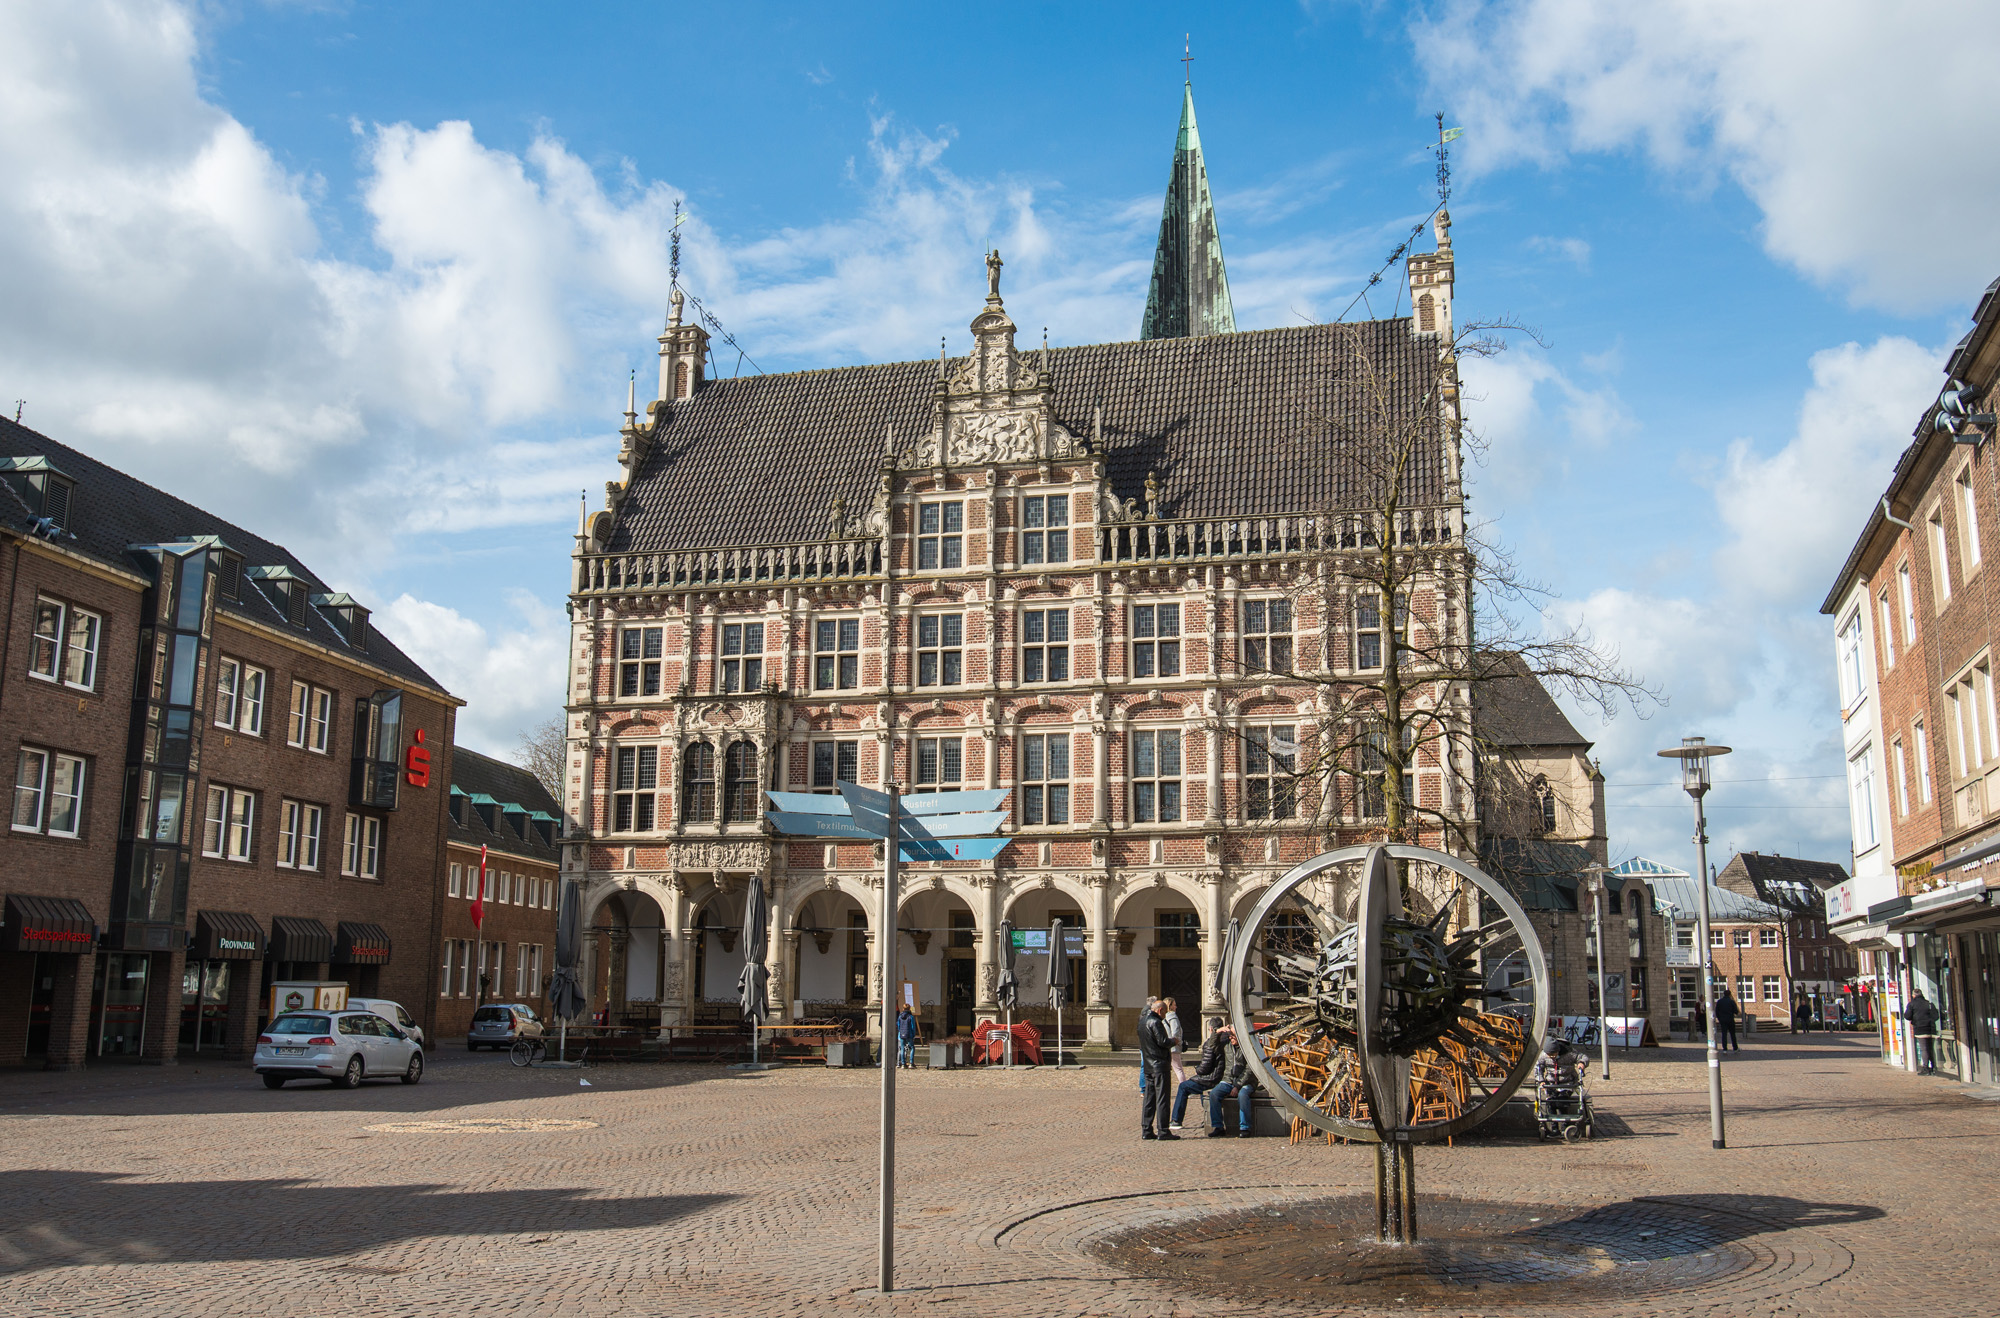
<point x="1176" y="1041"/>
<point x="1154" y="1102"/>
<point x="1207" y="1072"/>
<point x="1726" y="1013"/>
<point x="1144" y="1012"/>
<point x="1923" y="1016"/>
<point x="1697" y="1022"/>
<point x="906" y="1037"/>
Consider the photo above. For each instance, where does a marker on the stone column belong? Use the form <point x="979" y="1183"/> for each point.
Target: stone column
<point x="1100" y="745"/>
<point x="675" y="959"/>
<point x="785" y="974"/>
<point x="162" y="1032"/>
<point x="986" y="941"/>
<point x="779" y="947"/>
<point x="1103" y="994"/>
<point x="875" y="943"/>
<point x="69" y="1013"/>
<point x="1216" y="924"/>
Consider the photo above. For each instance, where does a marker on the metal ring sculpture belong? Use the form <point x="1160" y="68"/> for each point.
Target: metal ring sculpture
<point x="1386" y="985"/>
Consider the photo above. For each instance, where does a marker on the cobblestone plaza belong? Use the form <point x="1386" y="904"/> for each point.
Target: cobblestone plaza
<point x="1848" y="1189"/>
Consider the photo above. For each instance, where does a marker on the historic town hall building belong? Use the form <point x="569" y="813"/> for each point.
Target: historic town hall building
<point x="1067" y="572"/>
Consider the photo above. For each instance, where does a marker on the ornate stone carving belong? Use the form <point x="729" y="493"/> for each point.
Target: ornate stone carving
<point x="1100" y="981"/>
<point x="674" y="977"/>
<point x="718" y="857"/>
<point x="994" y="437"/>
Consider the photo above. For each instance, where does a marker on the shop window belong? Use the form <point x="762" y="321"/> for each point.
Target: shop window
<point x="1156" y="774"/>
<point x="742" y="656"/>
<point x="940" y="649"/>
<point x="1044" y="789"/>
<point x="1045" y="529"/>
<point x="940" y="536"/>
<point x="836" y="654"/>
<point x="1045" y="645"/>
<point x="940" y="764"/>
<point x="639" y="660"/>
<point x="1267" y="636"/>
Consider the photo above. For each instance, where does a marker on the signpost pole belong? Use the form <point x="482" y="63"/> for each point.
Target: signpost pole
<point x="885" y="933"/>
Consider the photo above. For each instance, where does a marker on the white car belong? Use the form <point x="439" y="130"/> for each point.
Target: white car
<point x="346" y="1047"/>
<point x="389" y="1011"/>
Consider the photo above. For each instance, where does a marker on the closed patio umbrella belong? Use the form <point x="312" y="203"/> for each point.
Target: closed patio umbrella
<point x="753" y="985"/>
<point x="1008" y="989"/>
<point x="1059" y="981"/>
<point x="566" y="996"/>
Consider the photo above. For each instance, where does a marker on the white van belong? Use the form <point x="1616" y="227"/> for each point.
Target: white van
<point x="390" y="1011"/>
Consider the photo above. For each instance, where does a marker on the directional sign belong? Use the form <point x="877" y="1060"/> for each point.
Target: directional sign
<point x="945" y="803"/>
<point x="809" y="803"/>
<point x="970" y="848"/>
<point x="796" y="825"/>
<point x="930" y="826"/>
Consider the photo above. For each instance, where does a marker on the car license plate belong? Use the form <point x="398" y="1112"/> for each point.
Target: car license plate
<point x="291" y="1052"/>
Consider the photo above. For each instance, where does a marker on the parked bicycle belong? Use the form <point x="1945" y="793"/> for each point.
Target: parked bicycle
<point x="535" y="1052"/>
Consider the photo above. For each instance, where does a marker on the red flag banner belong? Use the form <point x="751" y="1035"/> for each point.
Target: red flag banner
<point x="479" y="893"/>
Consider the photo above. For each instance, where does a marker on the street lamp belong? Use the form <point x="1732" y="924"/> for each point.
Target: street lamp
<point x="1694" y="753"/>
<point x="1593" y="883"/>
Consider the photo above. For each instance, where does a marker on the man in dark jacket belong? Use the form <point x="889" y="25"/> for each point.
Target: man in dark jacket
<point x="1155" y="1051"/>
<point x="1208" y="1072"/>
<point x="1923" y="1027"/>
<point x="1726" y="1012"/>
<point x="1236" y="1080"/>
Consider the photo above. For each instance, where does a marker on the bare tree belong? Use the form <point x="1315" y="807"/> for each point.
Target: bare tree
<point x="1415" y="607"/>
<point x="542" y="751"/>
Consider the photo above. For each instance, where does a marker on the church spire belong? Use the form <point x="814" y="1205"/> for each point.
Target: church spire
<point x="1190" y="292"/>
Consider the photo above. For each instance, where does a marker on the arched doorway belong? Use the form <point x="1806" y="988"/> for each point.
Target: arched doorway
<point x="627" y="959"/>
<point x="1157" y="942"/>
<point x="831" y="973"/>
<point x="937" y="951"/>
<point x="1032" y="912"/>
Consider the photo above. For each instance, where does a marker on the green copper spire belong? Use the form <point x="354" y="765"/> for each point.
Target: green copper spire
<point x="1190" y="292"/>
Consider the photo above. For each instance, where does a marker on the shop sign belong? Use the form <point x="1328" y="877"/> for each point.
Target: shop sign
<point x="54" y="935"/>
<point x="417" y="763"/>
<point x="235" y="944"/>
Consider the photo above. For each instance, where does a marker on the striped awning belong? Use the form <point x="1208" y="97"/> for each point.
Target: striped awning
<point x="227" y="936"/>
<point x="360" y="944"/>
<point x="46" y="924"/>
<point x="296" y="938"/>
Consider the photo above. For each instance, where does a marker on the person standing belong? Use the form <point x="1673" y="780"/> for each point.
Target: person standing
<point x="906" y="1037"/>
<point x="1697" y="1023"/>
<point x="1176" y="1041"/>
<point x="1923" y="1016"/>
<point x="1153" y="1057"/>
<point x="1726" y="1012"/>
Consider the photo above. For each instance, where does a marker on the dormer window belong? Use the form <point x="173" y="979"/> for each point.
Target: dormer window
<point x="229" y="577"/>
<point x="287" y="591"/>
<point x="349" y="618"/>
<point x="47" y="492"/>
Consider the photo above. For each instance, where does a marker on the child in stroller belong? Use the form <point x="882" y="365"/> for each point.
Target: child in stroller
<point x="1562" y="1105"/>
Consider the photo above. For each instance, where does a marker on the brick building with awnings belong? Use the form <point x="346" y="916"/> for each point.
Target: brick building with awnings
<point x="224" y="776"/>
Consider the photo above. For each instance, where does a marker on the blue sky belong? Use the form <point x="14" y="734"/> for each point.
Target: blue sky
<point x="370" y="278"/>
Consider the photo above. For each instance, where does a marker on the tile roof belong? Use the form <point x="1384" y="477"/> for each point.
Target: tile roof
<point x="111" y="511"/>
<point x="1246" y="424"/>
<point x="483" y="778"/>
<point x="1515" y="709"/>
<point x="1542" y="875"/>
<point x="1783" y="880"/>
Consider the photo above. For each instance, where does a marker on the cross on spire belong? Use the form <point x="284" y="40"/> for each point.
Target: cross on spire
<point x="1187" y="57"/>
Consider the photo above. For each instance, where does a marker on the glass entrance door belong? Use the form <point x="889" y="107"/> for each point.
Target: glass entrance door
<point x="204" y="1005"/>
<point x="41" y="1004"/>
<point x="122" y="1004"/>
<point x="959" y="972"/>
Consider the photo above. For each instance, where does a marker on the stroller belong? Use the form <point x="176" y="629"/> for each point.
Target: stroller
<point x="1562" y="1103"/>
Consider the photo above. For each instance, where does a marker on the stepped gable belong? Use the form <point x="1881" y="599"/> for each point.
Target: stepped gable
<point x="1260" y="423"/>
<point x="113" y="511"/>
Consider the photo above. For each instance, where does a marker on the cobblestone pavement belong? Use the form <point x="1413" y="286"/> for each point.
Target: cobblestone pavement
<point x="1847" y="1189"/>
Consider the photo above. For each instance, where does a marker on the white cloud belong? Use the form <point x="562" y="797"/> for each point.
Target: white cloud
<point x="517" y="675"/>
<point x="1574" y="250"/>
<point x="1794" y="513"/>
<point x="1845" y="122"/>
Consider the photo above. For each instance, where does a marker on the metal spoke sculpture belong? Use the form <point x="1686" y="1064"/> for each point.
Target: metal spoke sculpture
<point x="1370" y="992"/>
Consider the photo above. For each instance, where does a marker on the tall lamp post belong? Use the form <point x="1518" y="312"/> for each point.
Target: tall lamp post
<point x="1593" y="883"/>
<point x="1694" y="753"/>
